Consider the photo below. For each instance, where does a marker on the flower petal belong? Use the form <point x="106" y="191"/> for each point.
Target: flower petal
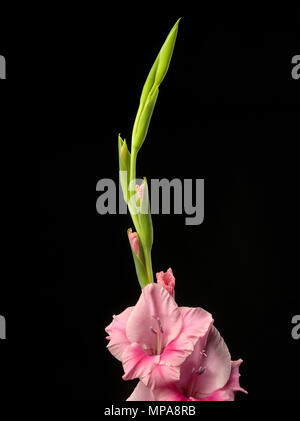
<point x="217" y="365"/>
<point x="141" y="393"/>
<point x="170" y="393"/>
<point x="196" y="326"/>
<point x="166" y="280"/>
<point x="177" y="351"/>
<point x="154" y="302"/>
<point x="117" y="333"/>
<point x="136" y="362"/>
<point x="227" y="393"/>
<point x="233" y="382"/>
<point x="161" y="375"/>
<point x="196" y="323"/>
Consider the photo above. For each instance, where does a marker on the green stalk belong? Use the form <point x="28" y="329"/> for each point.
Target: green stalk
<point x="143" y="221"/>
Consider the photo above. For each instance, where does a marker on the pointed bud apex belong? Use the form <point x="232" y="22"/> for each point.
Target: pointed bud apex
<point x="124" y="155"/>
<point x="165" y="54"/>
<point x="166" y="280"/>
<point x="124" y="166"/>
<point x="150" y="89"/>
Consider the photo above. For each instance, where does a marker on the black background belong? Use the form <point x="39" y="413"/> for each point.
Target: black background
<point x="228" y="112"/>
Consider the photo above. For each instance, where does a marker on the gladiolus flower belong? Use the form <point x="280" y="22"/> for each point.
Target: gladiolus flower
<point x="155" y="337"/>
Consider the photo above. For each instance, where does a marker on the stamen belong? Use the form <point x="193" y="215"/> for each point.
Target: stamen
<point x="160" y="325"/>
<point x="201" y="370"/>
<point x="203" y="353"/>
<point x="153" y="330"/>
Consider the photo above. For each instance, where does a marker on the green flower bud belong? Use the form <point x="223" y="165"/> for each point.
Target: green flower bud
<point x="145" y="219"/>
<point x="150" y="89"/>
<point x="124" y="166"/>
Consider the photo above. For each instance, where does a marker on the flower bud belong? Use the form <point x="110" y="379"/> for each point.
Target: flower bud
<point x="165" y="54"/>
<point x="134" y="241"/>
<point x="150" y="89"/>
<point x="124" y="165"/>
<point x="138" y="257"/>
<point x="166" y="280"/>
<point x="145" y="219"/>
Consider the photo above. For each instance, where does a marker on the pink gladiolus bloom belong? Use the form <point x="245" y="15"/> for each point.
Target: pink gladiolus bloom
<point x="166" y="280"/>
<point x="206" y="375"/>
<point x="134" y="241"/>
<point x="155" y="337"/>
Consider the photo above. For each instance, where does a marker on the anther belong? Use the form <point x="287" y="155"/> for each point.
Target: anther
<point x="160" y="325"/>
<point x="153" y="330"/>
<point x="201" y="370"/>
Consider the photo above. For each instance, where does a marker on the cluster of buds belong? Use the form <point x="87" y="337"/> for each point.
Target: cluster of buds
<point x="137" y="196"/>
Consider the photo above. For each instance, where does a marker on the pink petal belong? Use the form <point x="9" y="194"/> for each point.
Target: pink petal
<point x="134" y="241"/>
<point x="196" y="323"/>
<point x="166" y="280"/>
<point x="217" y="365"/>
<point x="177" y="351"/>
<point x="154" y="302"/>
<point x="233" y="381"/>
<point x="227" y="393"/>
<point x="136" y="362"/>
<point x="117" y="333"/>
<point x="161" y="375"/>
<point x="170" y="393"/>
<point x="141" y="393"/>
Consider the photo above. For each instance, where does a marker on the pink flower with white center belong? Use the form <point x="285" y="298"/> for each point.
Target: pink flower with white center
<point x="155" y="337"/>
<point x="208" y="374"/>
<point x="166" y="280"/>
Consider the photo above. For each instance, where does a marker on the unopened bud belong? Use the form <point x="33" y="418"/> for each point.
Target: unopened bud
<point x="145" y="219"/>
<point x="150" y="89"/>
<point x="124" y="165"/>
<point x="166" y="280"/>
<point x="138" y="257"/>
